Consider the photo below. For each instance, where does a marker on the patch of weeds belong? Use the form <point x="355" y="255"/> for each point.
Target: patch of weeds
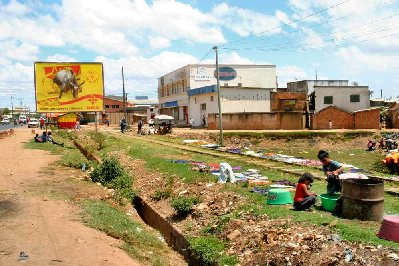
<point x="139" y="243"/>
<point x="161" y="194"/>
<point x="74" y="159"/>
<point x="165" y="193"/>
<point x="379" y="167"/>
<point x="209" y="250"/>
<point x="99" y="138"/>
<point x="183" y="205"/>
<point x="112" y="175"/>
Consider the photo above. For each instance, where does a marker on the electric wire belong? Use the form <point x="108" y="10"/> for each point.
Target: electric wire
<point x="286" y="24"/>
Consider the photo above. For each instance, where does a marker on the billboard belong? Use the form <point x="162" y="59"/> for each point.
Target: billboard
<point x="69" y="87"/>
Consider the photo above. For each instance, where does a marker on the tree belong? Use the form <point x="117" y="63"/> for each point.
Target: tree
<point x="6" y="111"/>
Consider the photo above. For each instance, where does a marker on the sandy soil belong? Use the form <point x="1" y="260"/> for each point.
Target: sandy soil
<point x="48" y="230"/>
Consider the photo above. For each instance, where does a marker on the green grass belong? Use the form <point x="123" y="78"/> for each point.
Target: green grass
<point x="156" y="157"/>
<point x="139" y="243"/>
<point x="210" y="250"/>
<point x="70" y="155"/>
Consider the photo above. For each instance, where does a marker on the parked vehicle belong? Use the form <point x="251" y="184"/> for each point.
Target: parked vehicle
<point x="5" y="121"/>
<point x="33" y="122"/>
<point x="22" y="119"/>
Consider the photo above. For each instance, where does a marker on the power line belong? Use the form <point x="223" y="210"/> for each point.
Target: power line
<point x="286" y="24"/>
<point x="280" y="47"/>
<point x="311" y="48"/>
<point x="329" y="21"/>
<point x="332" y="33"/>
<point x="205" y="56"/>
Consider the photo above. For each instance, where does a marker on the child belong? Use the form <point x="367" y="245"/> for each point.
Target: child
<point x="304" y="199"/>
<point x="332" y="170"/>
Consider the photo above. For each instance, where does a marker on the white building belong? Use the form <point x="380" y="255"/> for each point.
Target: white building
<point x="323" y="93"/>
<point x="190" y="92"/>
<point x="349" y="98"/>
<point x="307" y="86"/>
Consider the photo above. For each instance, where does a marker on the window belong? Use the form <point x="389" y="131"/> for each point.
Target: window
<point x="203" y="106"/>
<point x="355" y="98"/>
<point x="115" y="106"/>
<point x="239" y="84"/>
<point x="107" y="106"/>
<point x="328" y="100"/>
<point x="211" y="98"/>
<point x="195" y="100"/>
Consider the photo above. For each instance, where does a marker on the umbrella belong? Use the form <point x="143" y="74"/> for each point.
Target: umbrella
<point x="164" y="117"/>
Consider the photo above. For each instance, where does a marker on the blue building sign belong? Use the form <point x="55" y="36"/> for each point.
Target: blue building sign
<point x="170" y="104"/>
<point x="226" y="73"/>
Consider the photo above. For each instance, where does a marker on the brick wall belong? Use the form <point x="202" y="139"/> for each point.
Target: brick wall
<point x="339" y="118"/>
<point x="364" y="119"/>
<point x="257" y="121"/>
<point x="367" y="119"/>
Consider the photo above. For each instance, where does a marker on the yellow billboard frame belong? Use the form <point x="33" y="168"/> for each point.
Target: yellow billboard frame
<point x="62" y="87"/>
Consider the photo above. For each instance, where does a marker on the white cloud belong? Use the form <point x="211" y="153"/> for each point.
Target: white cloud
<point x="246" y="22"/>
<point x="159" y="42"/>
<point x="290" y="73"/>
<point x="141" y="72"/>
<point x="14" y="51"/>
<point x="60" y="58"/>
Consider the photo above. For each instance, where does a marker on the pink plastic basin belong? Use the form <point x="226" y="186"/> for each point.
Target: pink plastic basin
<point x="390" y="228"/>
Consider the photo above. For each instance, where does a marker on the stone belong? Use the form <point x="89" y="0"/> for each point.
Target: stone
<point x="394" y="256"/>
<point x="233" y="235"/>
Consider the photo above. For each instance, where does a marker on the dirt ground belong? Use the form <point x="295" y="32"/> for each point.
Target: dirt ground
<point x="47" y="229"/>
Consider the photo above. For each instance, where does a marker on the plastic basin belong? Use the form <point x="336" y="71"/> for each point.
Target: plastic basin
<point x="328" y="201"/>
<point x="390" y="228"/>
<point x="279" y="196"/>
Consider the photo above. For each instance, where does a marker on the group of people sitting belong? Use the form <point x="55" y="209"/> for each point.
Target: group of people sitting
<point x="47" y="137"/>
<point x="304" y="198"/>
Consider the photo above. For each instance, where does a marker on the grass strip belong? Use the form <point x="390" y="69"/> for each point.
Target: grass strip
<point x="139" y="243"/>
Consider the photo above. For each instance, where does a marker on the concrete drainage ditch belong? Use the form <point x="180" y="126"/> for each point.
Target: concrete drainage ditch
<point x="173" y="237"/>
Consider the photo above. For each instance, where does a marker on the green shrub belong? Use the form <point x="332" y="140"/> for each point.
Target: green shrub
<point x="208" y="249"/>
<point x="106" y="172"/>
<point x="112" y="175"/>
<point x="183" y="205"/>
<point x="161" y="194"/>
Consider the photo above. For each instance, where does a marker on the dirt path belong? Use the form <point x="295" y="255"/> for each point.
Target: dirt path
<point x="49" y="231"/>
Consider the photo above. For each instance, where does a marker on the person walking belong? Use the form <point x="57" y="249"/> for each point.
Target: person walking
<point x="123" y="124"/>
<point x="140" y="125"/>
<point x="330" y="125"/>
<point x="203" y="121"/>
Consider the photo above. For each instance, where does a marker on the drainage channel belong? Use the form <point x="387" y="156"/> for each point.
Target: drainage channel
<point x="173" y="237"/>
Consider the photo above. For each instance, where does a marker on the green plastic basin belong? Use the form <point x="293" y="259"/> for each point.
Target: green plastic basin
<point x="279" y="197"/>
<point x="328" y="201"/>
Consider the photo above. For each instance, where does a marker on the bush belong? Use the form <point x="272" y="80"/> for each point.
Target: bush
<point x="112" y="175"/>
<point x="106" y="172"/>
<point x="184" y="205"/>
<point x="208" y="249"/>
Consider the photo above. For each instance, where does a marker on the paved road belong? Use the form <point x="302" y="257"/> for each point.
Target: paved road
<point x="6" y="127"/>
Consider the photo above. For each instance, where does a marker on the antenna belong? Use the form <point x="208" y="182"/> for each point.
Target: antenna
<point x="315" y="73"/>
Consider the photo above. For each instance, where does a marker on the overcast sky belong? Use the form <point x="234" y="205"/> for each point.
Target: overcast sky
<point x="353" y="39"/>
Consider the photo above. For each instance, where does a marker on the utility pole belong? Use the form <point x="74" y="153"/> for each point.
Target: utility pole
<point x="12" y="108"/>
<point x="219" y="101"/>
<point x="124" y="95"/>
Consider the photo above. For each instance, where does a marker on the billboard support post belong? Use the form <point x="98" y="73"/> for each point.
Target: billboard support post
<point x="96" y="121"/>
